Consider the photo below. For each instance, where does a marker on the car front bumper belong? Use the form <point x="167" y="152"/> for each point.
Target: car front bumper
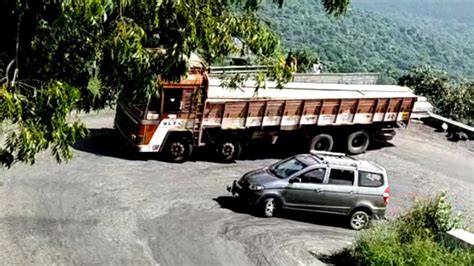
<point x="248" y="196"/>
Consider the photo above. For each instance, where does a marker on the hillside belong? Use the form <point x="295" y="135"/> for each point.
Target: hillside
<point x="377" y="39"/>
<point x="445" y="11"/>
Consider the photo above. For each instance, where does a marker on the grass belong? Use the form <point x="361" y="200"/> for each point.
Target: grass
<point x="416" y="238"/>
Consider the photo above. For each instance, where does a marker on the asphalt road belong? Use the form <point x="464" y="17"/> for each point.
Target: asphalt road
<point x="109" y="207"/>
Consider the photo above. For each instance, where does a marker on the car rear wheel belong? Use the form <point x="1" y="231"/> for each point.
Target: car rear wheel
<point x="270" y="207"/>
<point x="359" y="220"/>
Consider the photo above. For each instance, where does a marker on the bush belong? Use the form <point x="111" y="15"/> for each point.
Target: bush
<point x="417" y="238"/>
<point x="450" y="97"/>
<point x="428" y="217"/>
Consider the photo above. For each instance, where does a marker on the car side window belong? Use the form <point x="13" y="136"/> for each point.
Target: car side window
<point x="367" y="179"/>
<point x="315" y="176"/>
<point x="341" y="177"/>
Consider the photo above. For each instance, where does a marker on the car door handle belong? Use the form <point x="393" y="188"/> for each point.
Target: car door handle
<point x="351" y="192"/>
<point x="318" y="190"/>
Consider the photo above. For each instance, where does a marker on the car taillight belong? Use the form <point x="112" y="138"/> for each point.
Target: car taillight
<point x="386" y="196"/>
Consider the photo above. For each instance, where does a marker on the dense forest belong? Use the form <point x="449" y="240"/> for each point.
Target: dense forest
<point x="390" y="37"/>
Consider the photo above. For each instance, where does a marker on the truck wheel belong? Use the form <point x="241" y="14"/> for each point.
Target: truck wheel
<point x="228" y="150"/>
<point x="358" y="142"/>
<point x="179" y="150"/>
<point x="322" y="142"/>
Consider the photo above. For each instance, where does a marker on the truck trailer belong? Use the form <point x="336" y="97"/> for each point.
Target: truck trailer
<point x="200" y="111"/>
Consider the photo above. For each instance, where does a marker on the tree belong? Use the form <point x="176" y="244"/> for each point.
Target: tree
<point x="305" y="59"/>
<point x="450" y="98"/>
<point x="59" y="56"/>
<point x="363" y="41"/>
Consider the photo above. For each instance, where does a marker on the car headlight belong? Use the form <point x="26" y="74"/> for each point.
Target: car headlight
<point x="255" y="187"/>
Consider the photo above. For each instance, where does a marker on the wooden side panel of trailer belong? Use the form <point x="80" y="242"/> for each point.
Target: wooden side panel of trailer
<point x="292" y="114"/>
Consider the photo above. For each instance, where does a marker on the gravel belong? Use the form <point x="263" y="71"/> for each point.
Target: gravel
<point x="110" y="207"/>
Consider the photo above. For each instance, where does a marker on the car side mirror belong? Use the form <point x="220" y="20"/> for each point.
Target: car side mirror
<point x="295" y="180"/>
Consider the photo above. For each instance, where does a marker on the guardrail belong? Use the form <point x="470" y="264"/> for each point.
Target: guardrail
<point x="460" y="238"/>
<point x="333" y="78"/>
<point x="456" y="130"/>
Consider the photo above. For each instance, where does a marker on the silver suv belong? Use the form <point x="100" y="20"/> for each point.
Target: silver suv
<point x="324" y="182"/>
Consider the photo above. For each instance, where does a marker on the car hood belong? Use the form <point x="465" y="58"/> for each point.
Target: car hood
<point x="259" y="177"/>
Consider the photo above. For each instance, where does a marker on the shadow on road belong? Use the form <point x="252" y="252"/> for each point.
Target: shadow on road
<point x="379" y="145"/>
<point x="236" y="205"/>
<point x="106" y="142"/>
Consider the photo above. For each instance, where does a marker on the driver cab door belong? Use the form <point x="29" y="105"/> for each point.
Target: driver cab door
<point x="305" y="190"/>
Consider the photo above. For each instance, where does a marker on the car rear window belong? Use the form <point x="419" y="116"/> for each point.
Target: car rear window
<point x="368" y="179"/>
<point x="341" y="177"/>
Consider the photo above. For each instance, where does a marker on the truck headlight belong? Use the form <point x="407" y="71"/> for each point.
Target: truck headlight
<point x="255" y="187"/>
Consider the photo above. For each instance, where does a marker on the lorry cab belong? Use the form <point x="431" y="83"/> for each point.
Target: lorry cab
<point x="173" y="114"/>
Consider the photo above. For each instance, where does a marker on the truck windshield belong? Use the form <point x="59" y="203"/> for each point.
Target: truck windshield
<point x="287" y="168"/>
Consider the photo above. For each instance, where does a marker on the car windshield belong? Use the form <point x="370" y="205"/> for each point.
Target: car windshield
<point x="288" y="167"/>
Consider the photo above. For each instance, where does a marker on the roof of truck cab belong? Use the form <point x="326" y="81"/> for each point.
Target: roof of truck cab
<point x="298" y="90"/>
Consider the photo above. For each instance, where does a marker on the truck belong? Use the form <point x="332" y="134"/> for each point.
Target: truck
<point x="199" y="111"/>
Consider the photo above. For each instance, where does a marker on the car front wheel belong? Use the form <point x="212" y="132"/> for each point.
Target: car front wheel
<point x="270" y="207"/>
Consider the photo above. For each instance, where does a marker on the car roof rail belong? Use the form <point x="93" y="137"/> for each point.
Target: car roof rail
<point x="340" y="158"/>
<point x="327" y="153"/>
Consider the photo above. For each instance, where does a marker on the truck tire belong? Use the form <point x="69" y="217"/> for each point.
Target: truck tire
<point x="178" y="150"/>
<point x="228" y="150"/>
<point x="358" y="142"/>
<point x="321" y="142"/>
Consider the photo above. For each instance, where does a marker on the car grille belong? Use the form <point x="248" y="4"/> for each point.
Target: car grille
<point x="243" y="183"/>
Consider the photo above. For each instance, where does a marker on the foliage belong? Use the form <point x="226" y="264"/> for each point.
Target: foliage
<point x="305" y="59"/>
<point x="83" y="54"/>
<point x="428" y="217"/>
<point x="382" y="246"/>
<point x="434" y="11"/>
<point x="451" y="98"/>
<point x="416" y="238"/>
<point x="390" y="41"/>
<point x="36" y="128"/>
